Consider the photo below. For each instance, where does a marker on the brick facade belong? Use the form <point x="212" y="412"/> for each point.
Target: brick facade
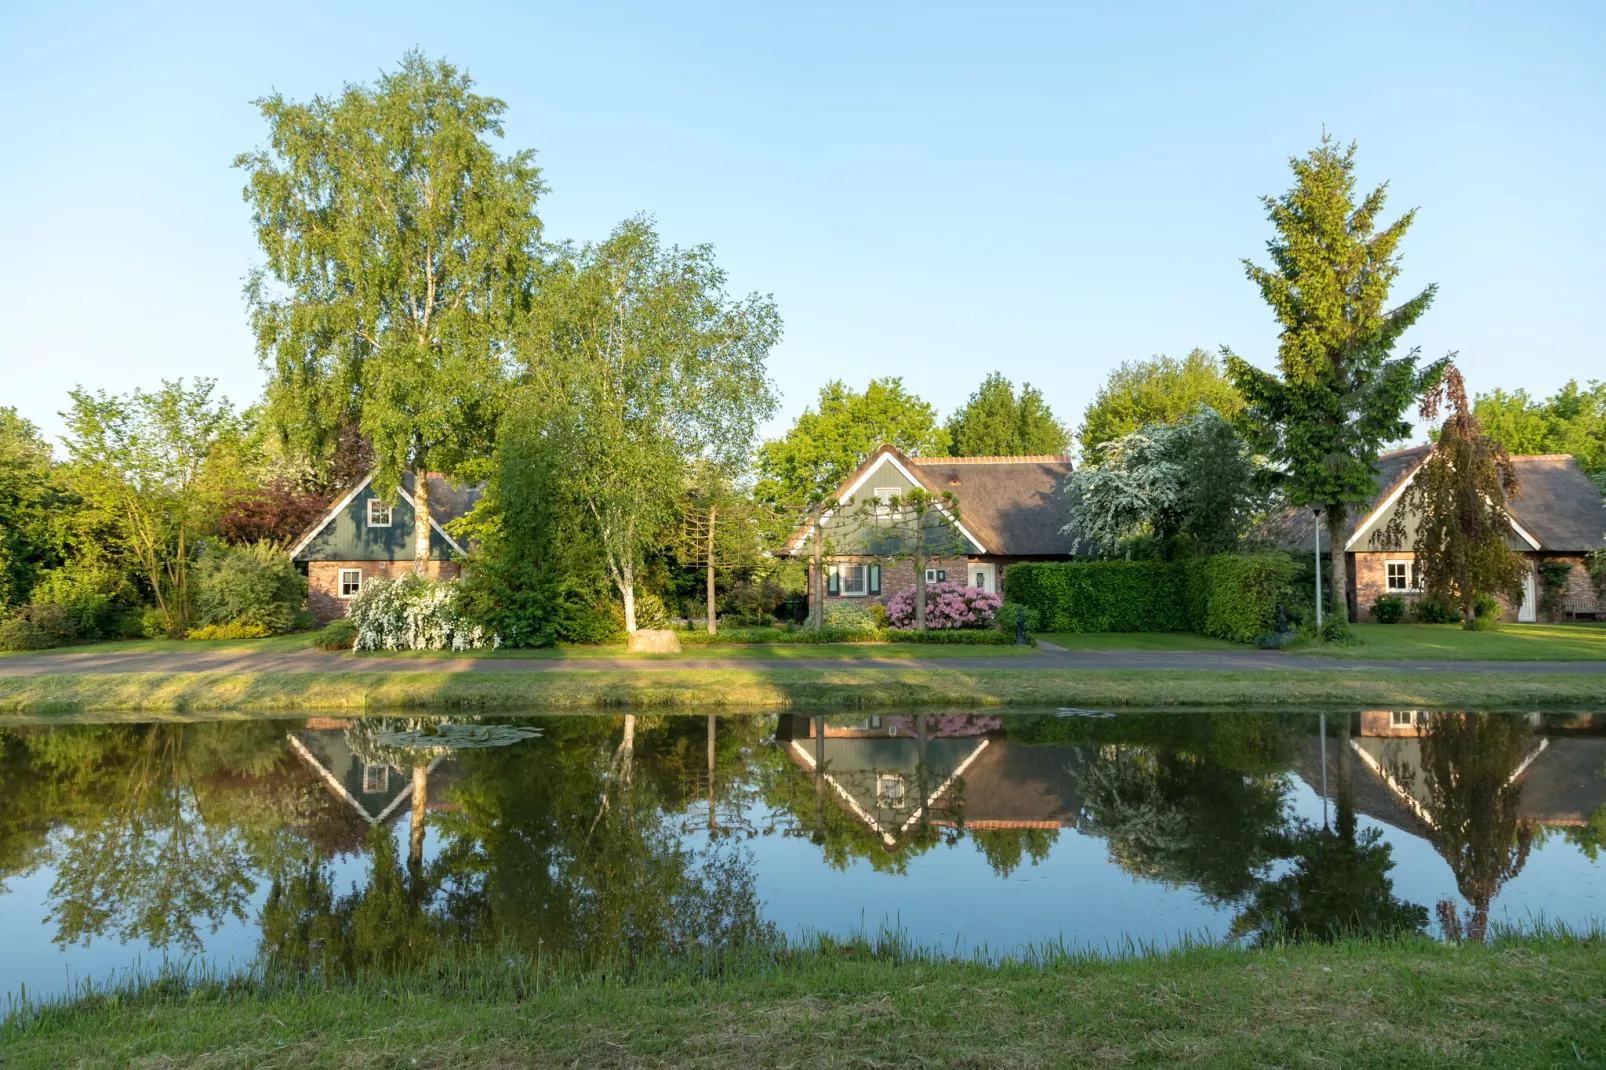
<point x="898" y="574"/>
<point x="1369" y="579"/>
<point x="323" y="581"/>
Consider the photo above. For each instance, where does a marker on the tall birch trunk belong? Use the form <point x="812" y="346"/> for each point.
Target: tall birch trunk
<point x="420" y="520"/>
<point x="712" y="512"/>
<point x="420" y="801"/>
<point x="627" y="591"/>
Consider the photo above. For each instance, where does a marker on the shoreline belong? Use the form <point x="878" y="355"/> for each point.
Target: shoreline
<point x="768" y="690"/>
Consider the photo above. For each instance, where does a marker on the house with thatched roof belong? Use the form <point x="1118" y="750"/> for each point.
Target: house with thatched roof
<point x="1558" y="517"/>
<point x="992" y="512"/>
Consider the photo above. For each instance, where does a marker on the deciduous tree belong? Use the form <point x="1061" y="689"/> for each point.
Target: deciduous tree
<point x="995" y="422"/>
<point x="401" y="250"/>
<point x="1160" y="390"/>
<point x="1340" y="394"/>
<point x="1572" y="420"/>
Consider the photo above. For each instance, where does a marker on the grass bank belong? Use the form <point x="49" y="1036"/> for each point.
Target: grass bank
<point x="1451" y="642"/>
<point x="822" y="689"/>
<point x="1523" y="1002"/>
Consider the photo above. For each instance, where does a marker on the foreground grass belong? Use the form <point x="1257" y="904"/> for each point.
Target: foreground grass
<point x="1539" y="1001"/>
<point x="768" y="689"/>
<point x="278" y="644"/>
<point x="1451" y="642"/>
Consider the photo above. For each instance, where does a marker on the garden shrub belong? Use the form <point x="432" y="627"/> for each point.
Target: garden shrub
<point x="529" y="605"/>
<point x="849" y="616"/>
<point x="1009" y="611"/>
<point x="1436" y="611"/>
<point x="1235" y="596"/>
<point x="746" y="636"/>
<point x="1388" y="609"/>
<point x="948" y="605"/>
<point x="338" y="634"/>
<point x="255" y="585"/>
<point x="957" y="637"/>
<point x="37" y="627"/>
<point x="153" y="624"/>
<point x="1101" y="596"/>
<point x="411" y="612"/>
<point x="1335" y="629"/>
<point x="89" y="596"/>
<point x="879" y="613"/>
<point x="1555" y="577"/>
<point x="1485" y="613"/>
<point x="232" y="630"/>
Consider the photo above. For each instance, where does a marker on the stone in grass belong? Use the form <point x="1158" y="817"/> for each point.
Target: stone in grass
<point x="652" y="641"/>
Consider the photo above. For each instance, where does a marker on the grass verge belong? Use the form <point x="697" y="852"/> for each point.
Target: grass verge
<point x="824" y="689"/>
<point x="1520" y="1002"/>
<point x="1451" y="642"/>
<point x="723" y="651"/>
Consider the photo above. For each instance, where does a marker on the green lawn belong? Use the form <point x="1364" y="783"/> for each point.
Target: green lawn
<point x="729" y="651"/>
<point x="1539" y="1002"/>
<point x="278" y="644"/>
<point x="837" y="688"/>
<point x="1135" y="641"/>
<point x="1451" y="642"/>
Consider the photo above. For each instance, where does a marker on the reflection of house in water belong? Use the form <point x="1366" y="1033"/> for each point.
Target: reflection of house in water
<point x="1561" y="774"/>
<point x="972" y="777"/>
<point x="374" y="791"/>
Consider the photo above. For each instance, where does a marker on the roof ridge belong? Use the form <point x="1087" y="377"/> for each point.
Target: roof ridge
<point x="1542" y="457"/>
<point x="1034" y="458"/>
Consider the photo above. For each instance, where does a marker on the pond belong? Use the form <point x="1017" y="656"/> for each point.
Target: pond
<point x="339" y="844"/>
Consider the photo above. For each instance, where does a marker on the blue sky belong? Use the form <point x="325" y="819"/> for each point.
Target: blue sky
<point x="928" y="191"/>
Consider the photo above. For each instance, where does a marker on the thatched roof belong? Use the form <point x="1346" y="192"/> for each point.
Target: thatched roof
<point x="1015" y="505"/>
<point x="1557" y="504"/>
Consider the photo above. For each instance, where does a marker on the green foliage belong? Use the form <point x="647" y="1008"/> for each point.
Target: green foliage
<point x="412" y="612"/>
<point x="1160" y="390"/>
<point x="1190" y="478"/>
<point x="1340" y="395"/>
<point x="997" y="423"/>
<point x="852" y="616"/>
<point x="1230" y="596"/>
<point x="30" y="500"/>
<point x="1485" y="613"/>
<point x="1388" y="609"/>
<point x="255" y="586"/>
<point x="338" y="634"/>
<point x="231" y="630"/>
<point x="1102" y="596"/>
<point x="37" y="627"/>
<point x="1235" y="596"/>
<point x="400" y="251"/>
<point x="1554" y="580"/>
<point x="1430" y="610"/>
<point x="1005" y="619"/>
<point x="640" y="366"/>
<point x="154" y="624"/>
<point x="955" y="637"/>
<point x="830" y="440"/>
<point x="1572" y="420"/>
<point x="1335" y="629"/>
<point x="92" y="596"/>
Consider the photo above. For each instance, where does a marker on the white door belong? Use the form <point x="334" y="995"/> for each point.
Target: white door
<point x="1525" y="612"/>
<point x="984" y="576"/>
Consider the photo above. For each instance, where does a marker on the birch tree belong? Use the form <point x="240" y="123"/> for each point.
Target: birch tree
<point x="640" y="365"/>
<point x="400" y="251"/>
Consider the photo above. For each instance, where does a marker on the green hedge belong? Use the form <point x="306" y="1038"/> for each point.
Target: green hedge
<point x="748" y="636"/>
<point x="1230" y="596"/>
<point x="954" y="636"/>
<point x="1101" y="596"/>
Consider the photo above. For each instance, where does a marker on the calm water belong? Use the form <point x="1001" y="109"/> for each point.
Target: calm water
<point x="338" y="843"/>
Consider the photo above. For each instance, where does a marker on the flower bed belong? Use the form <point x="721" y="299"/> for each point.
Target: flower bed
<point x="948" y="606"/>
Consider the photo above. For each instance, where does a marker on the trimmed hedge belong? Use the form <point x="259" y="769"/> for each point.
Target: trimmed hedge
<point x="749" y="636"/>
<point x="1102" y="596"/>
<point x="1230" y="596"/>
<point x="955" y="636"/>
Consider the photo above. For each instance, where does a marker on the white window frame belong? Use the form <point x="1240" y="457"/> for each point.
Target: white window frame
<point x="389" y="512"/>
<point x="862" y="572"/>
<point x="372" y="784"/>
<point x="1410" y="577"/>
<point x="340" y="582"/>
<point x="936" y="575"/>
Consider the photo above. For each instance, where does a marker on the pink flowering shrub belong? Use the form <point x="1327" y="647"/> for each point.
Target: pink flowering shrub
<point x="948" y="605"/>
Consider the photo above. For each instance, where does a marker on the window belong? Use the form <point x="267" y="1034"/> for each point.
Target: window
<point x="854" y="581"/>
<point x="981" y="580"/>
<point x="378" y="514"/>
<point x="886" y="494"/>
<point x="350" y="582"/>
<point x="375" y="778"/>
<point x="1400" y="575"/>
<point x="889" y="790"/>
<point x="936" y="575"/>
<point x="1403" y="718"/>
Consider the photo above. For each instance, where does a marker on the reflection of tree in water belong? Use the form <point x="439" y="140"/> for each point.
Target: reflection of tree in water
<point x="1469" y="766"/>
<point x="1006" y="848"/>
<point x="1181" y="819"/>
<point x="155" y="842"/>
<point x="573" y="855"/>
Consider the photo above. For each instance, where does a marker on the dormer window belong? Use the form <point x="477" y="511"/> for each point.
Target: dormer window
<point x="378" y="514"/>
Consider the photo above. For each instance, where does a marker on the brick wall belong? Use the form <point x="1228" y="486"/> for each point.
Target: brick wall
<point x="1580" y="595"/>
<point x="899" y="574"/>
<point x="323" y="580"/>
<point x="1371" y="580"/>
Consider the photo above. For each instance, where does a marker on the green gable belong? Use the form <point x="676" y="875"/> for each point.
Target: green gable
<point x="856" y="530"/>
<point x="347" y="535"/>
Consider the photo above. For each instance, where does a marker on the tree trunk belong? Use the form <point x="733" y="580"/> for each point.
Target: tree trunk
<point x="627" y="750"/>
<point x="627" y="591"/>
<point x="420" y="800"/>
<point x="420" y="520"/>
<point x="920" y="583"/>
<point x="1337" y="574"/>
<point x="817" y="596"/>
<point x="712" y="826"/>
<point x="712" y="513"/>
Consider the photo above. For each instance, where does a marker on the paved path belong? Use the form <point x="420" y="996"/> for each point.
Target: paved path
<point x="313" y="661"/>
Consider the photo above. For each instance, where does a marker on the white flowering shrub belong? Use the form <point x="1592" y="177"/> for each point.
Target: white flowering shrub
<point x="414" y="613"/>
